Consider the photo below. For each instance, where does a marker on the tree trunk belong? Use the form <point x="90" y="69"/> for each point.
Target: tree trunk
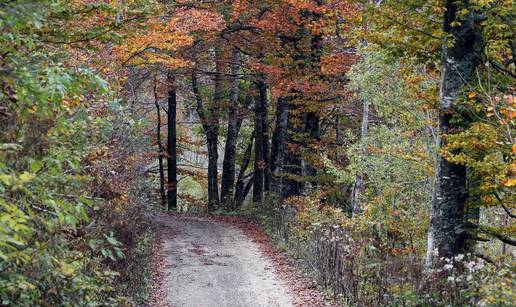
<point x="311" y="118"/>
<point x="240" y="187"/>
<point x="259" y="155"/>
<point x="172" y="145"/>
<point x="302" y="119"/>
<point x="228" y="166"/>
<point x="313" y="130"/>
<point x="279" y="146"/>
<point x="210" y="124"/>
<point x="213" y="156"/>
<point x="356" y="206"/>
<point x="262" y="88"/>
<point x="161" y="151"/>
<point x="239" y="201"/>
<point x="293" y="180"/>
<point x="447" y="233"/>
<point x="338" y="135"/>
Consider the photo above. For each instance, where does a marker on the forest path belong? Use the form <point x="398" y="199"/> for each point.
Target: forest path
<point x="207" y="263"/>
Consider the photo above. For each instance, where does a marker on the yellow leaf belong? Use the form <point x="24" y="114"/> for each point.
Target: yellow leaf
<point x="6" y="179"/>
<point x="514" y="148"/>
<point x="510" y="182"/>
<point x="67" y="269"/>
<point x="472" y="95"/>
<point x="26" y="177"/>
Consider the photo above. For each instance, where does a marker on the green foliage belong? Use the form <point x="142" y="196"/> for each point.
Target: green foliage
<point x="398" y="151"/>
<point x="52" y="252"/>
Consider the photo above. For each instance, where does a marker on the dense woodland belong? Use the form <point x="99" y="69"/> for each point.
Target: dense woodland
<point x="374" y="140"/>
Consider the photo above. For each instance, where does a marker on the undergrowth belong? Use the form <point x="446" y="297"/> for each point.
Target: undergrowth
<point x="357" y="264"/>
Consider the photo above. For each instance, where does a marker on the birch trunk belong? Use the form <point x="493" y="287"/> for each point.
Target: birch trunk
<point x="447" y="233"/>
<point x="356" y="206"/>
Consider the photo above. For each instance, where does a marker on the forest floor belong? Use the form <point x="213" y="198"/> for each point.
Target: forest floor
<point x="222" y="261"/>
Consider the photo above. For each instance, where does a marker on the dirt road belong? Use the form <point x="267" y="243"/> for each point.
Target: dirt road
<point x="212" y="263"/>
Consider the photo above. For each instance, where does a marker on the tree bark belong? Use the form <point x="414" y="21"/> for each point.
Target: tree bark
<point x="228" y="165"/>
<point x="213" y="188"/>
<point x="293" y="180"/>
<point x="259" y="155"/>
<point x="161" y="151"/>
<point x="240" y="193"/>
<point x="239" y="201"/>
<point x="312" y="129"/>
<point x="447" y="233"/>
<point x="210" y="124"/>
<point x="356" y="206"/>
<point x="172" y="145"/>
<point x="279" y="146"/>
<point x="262" y="88"/>
<point x="338" y="135"/>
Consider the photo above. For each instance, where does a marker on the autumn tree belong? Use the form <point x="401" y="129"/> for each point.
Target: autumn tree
<point x="294" y="71"/>
<point x="160" y="43"/>
<point x="228" y="171"/>
<point x="447" y="234"/>
<point x="460" y="37"/>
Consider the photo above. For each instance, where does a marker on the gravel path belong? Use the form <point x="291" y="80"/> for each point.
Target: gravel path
<point x="212" y="263"/>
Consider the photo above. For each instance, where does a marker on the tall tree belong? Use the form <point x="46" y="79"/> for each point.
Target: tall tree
<point x="312" y="118"/>
<point x="228" y="166"/>
<point x="356" y="206"/>
<point x="172" y="144"/>
<point x="312" y="131"/>
<point x="161" y="150"/>
<point x="242" y="188"/>
<point x="259" y="154"/>
<point x="460" y="57"/>
<point x="279" y="146"/>
<point x="293" y="180"/>
<point x="210" y="124"/>
<point x="262" y="89"/>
